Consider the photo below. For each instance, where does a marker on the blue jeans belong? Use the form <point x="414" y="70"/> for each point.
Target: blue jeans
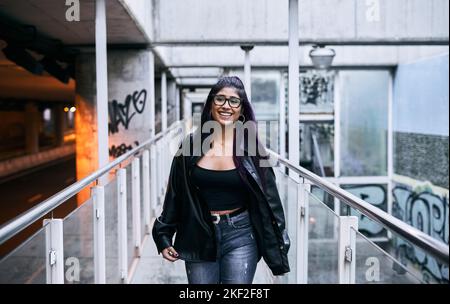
<point x="237" y="254"/>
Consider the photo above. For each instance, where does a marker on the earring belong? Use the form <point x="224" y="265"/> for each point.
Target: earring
<point x="243" y="118"/>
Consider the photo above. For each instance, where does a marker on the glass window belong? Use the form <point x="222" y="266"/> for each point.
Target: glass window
<point x="316" y="91"/>
<point x="266" y="104"/>
<point x="364" y="120"/>
<point x="265" y="94"/>
<point x="317" y="147"/>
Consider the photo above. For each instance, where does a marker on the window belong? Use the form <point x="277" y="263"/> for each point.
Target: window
<point x="364" y="122"/>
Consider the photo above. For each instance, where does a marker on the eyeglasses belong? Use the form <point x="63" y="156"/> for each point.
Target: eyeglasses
<point x="234" y="102"/>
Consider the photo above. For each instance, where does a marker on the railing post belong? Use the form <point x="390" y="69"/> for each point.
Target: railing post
<point x="302" y="231"/>
<point x="158" y="171"/>
<point x="161" y="170"/>
<point x="54" y="251"/>
<point x="98" y="197"/>
<point x="164" y="159"/>
<point x="136" y="205"/>
<point x="122" y="223"/>
<point x="153" y="183"/>
<point x="348" y="225"/>
<point x="163" y="164"/>
<point x="146" y="189"/>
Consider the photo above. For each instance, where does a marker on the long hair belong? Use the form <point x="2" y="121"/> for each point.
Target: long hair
<point x="249" y="115"/>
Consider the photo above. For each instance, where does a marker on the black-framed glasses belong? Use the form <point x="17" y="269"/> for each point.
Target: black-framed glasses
<point x="234" y="102"/>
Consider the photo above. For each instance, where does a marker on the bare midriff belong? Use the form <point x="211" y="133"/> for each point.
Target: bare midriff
<point x="224" y="211"/>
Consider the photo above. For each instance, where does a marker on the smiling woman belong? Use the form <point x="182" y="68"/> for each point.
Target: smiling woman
<point x="223" y="206"/>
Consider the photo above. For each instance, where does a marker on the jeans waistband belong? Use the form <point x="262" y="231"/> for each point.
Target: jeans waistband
<point x="216" y="218"/>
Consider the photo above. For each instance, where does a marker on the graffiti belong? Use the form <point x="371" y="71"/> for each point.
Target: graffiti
<point x="377" y="196"/>
<point x="316" y="88"/>
<point x="123" y="113"/>
<point x="429" y="213"/>
<point x="120" y="150"/>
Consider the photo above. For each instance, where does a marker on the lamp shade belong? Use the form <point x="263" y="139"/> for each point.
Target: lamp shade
<point x="322" y="57"/>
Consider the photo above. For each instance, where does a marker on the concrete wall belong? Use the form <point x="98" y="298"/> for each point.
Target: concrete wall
<point x="85" y="119"/>
<point x="318" y="19"/>
<point x="421" y="105"/>
<point x="420" y="188"/>
<point x="422" y="96"/>
<point x="128" y="103"/>
<point x="129" y="100"/>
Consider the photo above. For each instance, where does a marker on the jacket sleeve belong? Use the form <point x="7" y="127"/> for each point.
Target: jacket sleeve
<point x="276" y="205"/>
<point x="165" y="225"/>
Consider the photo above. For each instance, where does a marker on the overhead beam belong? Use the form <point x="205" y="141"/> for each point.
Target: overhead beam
<point x="223" y="57"/>
<point x="343" y="42"/>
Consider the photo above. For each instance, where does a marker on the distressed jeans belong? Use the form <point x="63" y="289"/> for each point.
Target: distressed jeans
<point x="237" y="254"/>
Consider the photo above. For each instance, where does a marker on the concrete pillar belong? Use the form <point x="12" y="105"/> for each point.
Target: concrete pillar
<point x="129" y="106"/>
<point x="171" y="102"/>
<point x="158" y="124"/>
<point x="101" y="85"/>
<point x="32" y="126"/>
<point x="152" y="93"/>
<point x="163" y="101"/>
<point x="247" y="70"/>
<point x="282" y="118"/>
<point x="177" y="103"/>
<point x="294" y="92"/>
<point x="85" y="120"/>
<point x="60" y="124"/>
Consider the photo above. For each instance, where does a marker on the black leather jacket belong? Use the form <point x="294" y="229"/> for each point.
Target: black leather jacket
<point x="187" y="216"/>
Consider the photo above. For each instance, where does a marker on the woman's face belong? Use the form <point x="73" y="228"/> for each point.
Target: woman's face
<point x="226" y="114"/>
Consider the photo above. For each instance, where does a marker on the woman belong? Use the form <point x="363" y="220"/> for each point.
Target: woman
<point x="222" y="203"/>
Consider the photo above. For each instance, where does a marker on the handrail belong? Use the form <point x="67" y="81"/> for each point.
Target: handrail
<point x="25" y="219"/>
<point x="435" y="247"/>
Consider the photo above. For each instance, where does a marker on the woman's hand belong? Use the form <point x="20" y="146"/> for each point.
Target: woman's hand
<point x="170" y="254"/>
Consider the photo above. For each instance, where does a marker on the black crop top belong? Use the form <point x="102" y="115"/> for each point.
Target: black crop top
<point x="220" y="189"/>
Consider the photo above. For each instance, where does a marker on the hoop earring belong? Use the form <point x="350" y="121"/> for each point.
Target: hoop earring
<point x="243" y="118"/>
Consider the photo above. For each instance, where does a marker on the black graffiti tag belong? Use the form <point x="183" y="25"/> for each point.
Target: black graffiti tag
<point x="123" y="113"/>
<point x="120" y="150"/>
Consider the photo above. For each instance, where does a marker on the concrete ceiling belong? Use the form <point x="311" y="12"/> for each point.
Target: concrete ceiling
<point x="18" y="84"/>
<point x="210" y="36"/>
<point x="49" y="18"/>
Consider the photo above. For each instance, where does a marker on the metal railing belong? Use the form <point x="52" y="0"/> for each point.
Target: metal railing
<point x="22" y="221"/>
<point x="155" y="157"/>
<point x="155" y="162"/>
<point x="430" y="245"/>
